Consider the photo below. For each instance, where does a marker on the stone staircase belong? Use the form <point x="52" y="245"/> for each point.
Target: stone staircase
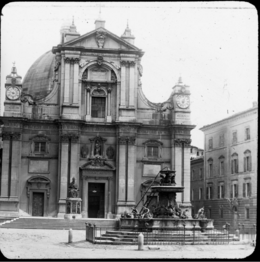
<point x="57" y="223"/>
<point x="131" y="238"/>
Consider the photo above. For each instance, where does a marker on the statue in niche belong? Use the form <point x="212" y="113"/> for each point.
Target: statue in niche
<point x="97" y="148"/>
<point x="73" y="188"/>
<point x="84" y="151"/>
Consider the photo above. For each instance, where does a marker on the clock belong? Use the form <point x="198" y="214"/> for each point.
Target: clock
<point x="13" y="93"/>
<point x="183" y="101"/>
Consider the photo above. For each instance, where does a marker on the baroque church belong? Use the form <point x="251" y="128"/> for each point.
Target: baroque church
<point x="80" y="114"/>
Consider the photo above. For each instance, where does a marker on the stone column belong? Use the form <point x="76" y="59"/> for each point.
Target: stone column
<point x="76" y="81"/>
<point x="131" y="170"/>
<point x="122" y="169"/>
<point x="132" y="85"/>
<point x="123" y="84"/>
<point x="178" y="167"/>
<point x="63" y="174"/>
<point x="67" y="80"/>
<point x="74" y="167"/>
<point x="6" y="137"/>
<point x="16" y="156"/>
<point x="187" y="172"/>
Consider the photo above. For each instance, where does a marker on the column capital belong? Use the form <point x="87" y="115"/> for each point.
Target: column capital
<point x="123" y="140"/>
<point x="9" y="135"/>
<point x="180" y="141"/>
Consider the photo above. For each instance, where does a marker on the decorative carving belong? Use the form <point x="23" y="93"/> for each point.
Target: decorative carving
<point x="98" y="92"/>
<point x="127" y="63"/>
<point x="180" y="141"/>
<point x="97" y="148"/>
<point x="84" y="151"/>
<point x="98" y="162"/>
<point x="71" y="60"/>
<point x="100" y="60"/>
<point x="85" y="74"/>
<point x="123" y="140"/>
<point x="113" y="76"/>
<point x="36" y="182"/>
<point x="27" y="98"/>
<point x="97" y="144"/>
<point x="73" y="189"/>
<point x="100" y="38"/>
<point x="67" y="60"/>
<point x="114" y="64"/>
<point x="110" y="152"/>
<point x="66" y="137"/>
<point x="164" y="106"/>
<point x="83" y="62"/>
<point x="9" y="135"/>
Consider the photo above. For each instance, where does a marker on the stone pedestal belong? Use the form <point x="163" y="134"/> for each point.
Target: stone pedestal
<point x="73" y="208"/>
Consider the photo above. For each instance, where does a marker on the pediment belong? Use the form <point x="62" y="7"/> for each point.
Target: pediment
<point x="101" y="38"/>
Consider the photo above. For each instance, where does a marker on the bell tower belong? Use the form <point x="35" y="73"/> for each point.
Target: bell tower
<point x="181" y="103"/>
<point x="13" y="89"/>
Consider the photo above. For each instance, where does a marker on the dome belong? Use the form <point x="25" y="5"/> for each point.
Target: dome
<point x="38" y="81"/>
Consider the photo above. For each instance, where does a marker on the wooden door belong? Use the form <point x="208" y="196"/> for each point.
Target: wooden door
<point x="38" y="204"/>
<point x="96" y="203"/>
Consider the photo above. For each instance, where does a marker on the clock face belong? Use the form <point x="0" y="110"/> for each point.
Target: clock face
<point x="13" y="93"/>
<point x="183" y="101"/>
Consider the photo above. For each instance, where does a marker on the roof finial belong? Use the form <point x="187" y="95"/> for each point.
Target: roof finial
<point x="180" y="80"/>
<point x="73" y="20"/>
<point x="127" y="24"/>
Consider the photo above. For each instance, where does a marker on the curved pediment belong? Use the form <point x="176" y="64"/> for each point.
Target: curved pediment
<point x="38" y="179"/>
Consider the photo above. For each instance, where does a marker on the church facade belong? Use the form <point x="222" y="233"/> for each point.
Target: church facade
<point x="80" y="113"/>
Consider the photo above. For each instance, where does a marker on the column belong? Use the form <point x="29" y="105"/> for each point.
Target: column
<point x="67" y="80"/>
<point x="16" y="153"/>
<point x="109" y="196"/>
<point x="122" y="169"/>
<point x="131" y="170"/>
<point x="6" y="137"/>
<point x="178" y="167"/>
<point x="187" y="172"/>
<point x="62" y="79"/>
<point x="123" y="82"/>
<point x="132" y="85"/>
<point x="76" y="81"/>
<point x="74" y="168"/>
<point x="63" y="174"/>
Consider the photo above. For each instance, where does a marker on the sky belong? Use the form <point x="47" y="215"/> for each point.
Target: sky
<point x="213" y="46"/>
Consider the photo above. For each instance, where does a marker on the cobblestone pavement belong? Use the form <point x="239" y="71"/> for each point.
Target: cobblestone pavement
<point x="53" y="244"/>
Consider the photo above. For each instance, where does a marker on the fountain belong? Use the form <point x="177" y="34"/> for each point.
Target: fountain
<point x="167" y="214"/>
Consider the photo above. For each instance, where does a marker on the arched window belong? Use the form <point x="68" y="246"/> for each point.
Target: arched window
<point x="234" y="163"/>
<point x="221" y="165"/>
<point x="247" y="161"/>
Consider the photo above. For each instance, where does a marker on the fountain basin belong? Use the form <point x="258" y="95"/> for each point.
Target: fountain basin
<point x="164" y="224"/>
<point x="170" y="189"/>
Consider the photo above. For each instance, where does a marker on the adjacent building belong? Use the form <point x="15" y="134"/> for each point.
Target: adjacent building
<point x="80" y="113"/>
<point x="229" y="184"/>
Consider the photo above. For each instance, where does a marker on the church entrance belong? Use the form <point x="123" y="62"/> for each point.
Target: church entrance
<point x="96" y="200"/>
<point x="38" y="204"/>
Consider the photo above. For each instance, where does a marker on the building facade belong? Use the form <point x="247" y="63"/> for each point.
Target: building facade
<point x="230" y="168"/>
<point x="80" y="113"/>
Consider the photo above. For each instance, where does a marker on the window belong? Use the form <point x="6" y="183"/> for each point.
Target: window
<point x="192" y="194"/>
<point x="152" y="151"/>
<point x="234" y="163"/>
<point x="39" y="147"/>
<point x="234" y="137"/>
<point x="247" y="189"/>
<point x="221" y="140"/>
<point x="192" y="174"/>
<point x="98" y="107"/>
<point x="221" y="212"/>
<point x="209" y="194"/>
<point x="221" y="190"/>
<point x="211" y="143"/>
<point x="247" y="133"/>
<point x="209" y="213"/>
<point x="247" y="161"/>
<point x="247" y="216"/>
<point x="234" y="190"/>
<point x="221" y="165"/>
<point x="200" y="193"/>
<point x="201" y="173"/>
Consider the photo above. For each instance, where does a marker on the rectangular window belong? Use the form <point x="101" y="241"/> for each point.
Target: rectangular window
<point x="192" y="194"/>
<point x="210" y="169"/>
<point x="200" y="193"/>
<point x="234" y="137"/>
<point x="201" y="173"/>
<point x="221" y="213"/>
<point x="247" y="213"/>
<point x="221" y="191"/>
<point x="247" y="189"/>
<point x="209" y="194"/>
<point x="98" y="107"/>
<point x="234" y="191"/>
<point x="193" y="174"/>
<point x="39" y="147"/>
<point x="247" y="133"/>
<point x="210" y="143"/>
<point x="221" y="168"/>
<point x="221" y="140"/>
<point x="247" y="163"/>
<point x="152" y="151"/>
<point x="209" y="213"/>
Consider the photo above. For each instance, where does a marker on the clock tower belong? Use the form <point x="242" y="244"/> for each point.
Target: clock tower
<point x="181" y="103"/>
<point x="13" y="89"/>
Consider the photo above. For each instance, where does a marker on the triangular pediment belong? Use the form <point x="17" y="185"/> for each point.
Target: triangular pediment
<point x="111" y="41"/>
